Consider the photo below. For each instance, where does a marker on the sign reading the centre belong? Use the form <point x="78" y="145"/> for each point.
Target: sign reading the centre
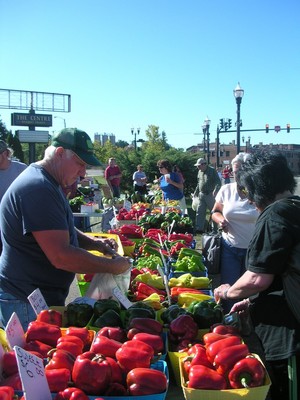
<point x="22" y="119"/>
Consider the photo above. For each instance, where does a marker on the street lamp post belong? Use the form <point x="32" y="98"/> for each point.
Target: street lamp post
<point x="238" y="94"/>
<point x="65" y="125"/>
<point x="218" y="146"/>
<point x="205" y="129"/>
<point x="133" y="132"/>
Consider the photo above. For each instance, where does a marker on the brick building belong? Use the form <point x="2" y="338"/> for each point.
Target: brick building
<point x="228" y="151"/>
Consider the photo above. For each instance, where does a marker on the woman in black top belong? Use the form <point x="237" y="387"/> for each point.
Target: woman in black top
<point x="273" y="265"/>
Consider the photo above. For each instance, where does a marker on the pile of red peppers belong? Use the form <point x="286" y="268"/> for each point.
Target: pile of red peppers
<point x="222" y="362"/>
<point x="117" y="362"/>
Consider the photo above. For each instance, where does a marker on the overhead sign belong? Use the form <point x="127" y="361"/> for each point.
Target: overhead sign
<point x="33" y="136"/>
<point x="22" y="119"/>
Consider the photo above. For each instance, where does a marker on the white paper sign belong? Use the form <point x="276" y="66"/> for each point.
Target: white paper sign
<point x="127" y="205"/>
<point x="32" y="373"/>
<point x="37" y="301"/>
<point x="121" y="297"/>
<point x="14" y="332"/>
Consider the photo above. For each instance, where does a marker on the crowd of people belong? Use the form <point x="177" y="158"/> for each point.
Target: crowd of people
<point x="257" y="212"/>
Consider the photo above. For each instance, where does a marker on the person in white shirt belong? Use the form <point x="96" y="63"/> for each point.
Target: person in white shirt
<point x="236" y="216"/>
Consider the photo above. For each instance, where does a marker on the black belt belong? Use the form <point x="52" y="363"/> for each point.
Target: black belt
<point x="206" y="193"/>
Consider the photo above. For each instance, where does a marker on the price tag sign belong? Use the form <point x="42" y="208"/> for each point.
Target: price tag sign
<point x="14" y="332"/>
<point x="121" y="297"/>
<point x="37" y="301"/>
<point x="127" y="205"/>
<point x="32" y="373"/>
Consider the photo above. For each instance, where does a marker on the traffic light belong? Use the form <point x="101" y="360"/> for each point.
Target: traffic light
<point x="288" y="127"/>
<point x="267" y="128"/>
<point x="226" y="126"/>
<point x="222" y="123"/>
<point x="229" y="123"/>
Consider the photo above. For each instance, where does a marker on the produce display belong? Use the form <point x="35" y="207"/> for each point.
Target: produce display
<point x="108" y="350"/>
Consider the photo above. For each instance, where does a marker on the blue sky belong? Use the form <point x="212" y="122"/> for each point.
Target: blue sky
<point x="170" y="63"/>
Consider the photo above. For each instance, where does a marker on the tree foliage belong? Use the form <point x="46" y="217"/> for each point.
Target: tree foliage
<point x="12" y="141"/>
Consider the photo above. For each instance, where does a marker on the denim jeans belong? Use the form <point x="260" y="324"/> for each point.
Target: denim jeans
<point x="232" y="268"/>
<point x="10" y="304"/>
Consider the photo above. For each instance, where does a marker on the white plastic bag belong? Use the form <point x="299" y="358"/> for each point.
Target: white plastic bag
<point x="195" y="202"/>
<point x="103" y="284"/>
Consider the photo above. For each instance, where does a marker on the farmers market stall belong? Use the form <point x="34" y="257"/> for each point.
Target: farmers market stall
<point x="158" y="335"/>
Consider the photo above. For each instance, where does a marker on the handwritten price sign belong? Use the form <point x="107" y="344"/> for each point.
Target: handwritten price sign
<point x="32" y="373"/>
<point x="37" y="301"/>
<point x="14" y="332"/>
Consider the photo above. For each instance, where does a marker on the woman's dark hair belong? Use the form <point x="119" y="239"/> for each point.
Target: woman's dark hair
<point x="265" y="175"/>
<point x="165" y="164"/>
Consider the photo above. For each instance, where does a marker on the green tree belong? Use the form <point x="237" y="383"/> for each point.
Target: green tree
<point x="12" y="141"/>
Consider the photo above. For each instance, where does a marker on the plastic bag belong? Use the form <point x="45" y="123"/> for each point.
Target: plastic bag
<point x="195" y="203"/>
<point x="211" y="250"/>
<point x="103" y="284"/>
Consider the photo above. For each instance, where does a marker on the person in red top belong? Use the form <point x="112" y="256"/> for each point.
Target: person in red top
<point x="113" y="175"/>
<point x="226" y="174"/>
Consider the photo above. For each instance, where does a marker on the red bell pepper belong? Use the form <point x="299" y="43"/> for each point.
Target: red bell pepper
<point x="183" y="327"/>
<point x="105" y="346"/>
<point x="6" y="393"/>
<point x="143" y="288"/>
<point x="154" y="340"/>
<point x="39" y="347"/>
<point x="187" y="237"/>
<point x="174" y="250"/>
<point x="60" y="359"/>
<point x="214" y="348"/>
<point x="70" y="338"/>
<point x="82" y="333"/>
<point x="44" y="332"/>
<point x="13" y="380"/>
<point x="134" y="354"/>
<point x="50" y="316"/>
<point x="196" y="357"/>
<point x="149" y="325"/>
<point x="72" y="344"/>
<point x="116" y="389"/>
<point x="212" y="337"/>
<point x="227" y="357"/>
<point x="248" y="372"/>
<point x="132" y="231"/>
<point x="116" y="371"/>
<point x="58" y="379"/>
<point x="201" y="377"/>
<point x="116" y="333"/>
<point x="225" y="329"/>
<point x="71" y="393"/>
<point x="146" y="381"/>
<point x="9" y="362"/>
<point x="91" y="373"/>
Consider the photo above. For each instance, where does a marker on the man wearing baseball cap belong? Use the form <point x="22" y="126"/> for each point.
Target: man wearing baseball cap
<point x="208" y="186"/>
<point x="41" y="247"/>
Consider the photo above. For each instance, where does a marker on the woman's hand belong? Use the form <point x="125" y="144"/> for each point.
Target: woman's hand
<point x="224" y="225"/>
<point x="221" y="292"/>
<point x="241" y="306"/>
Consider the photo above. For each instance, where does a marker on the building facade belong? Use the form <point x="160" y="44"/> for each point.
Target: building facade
<point x="228" y="151"/>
